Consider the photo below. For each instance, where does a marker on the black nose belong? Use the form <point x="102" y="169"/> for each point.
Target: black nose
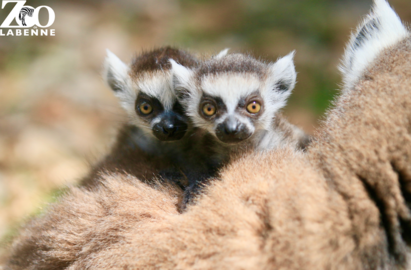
<point x="232" y="131"/>
<point x="170" y="128"/>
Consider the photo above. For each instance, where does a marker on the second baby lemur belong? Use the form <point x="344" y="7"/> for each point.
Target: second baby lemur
<point x="237" y="99"/>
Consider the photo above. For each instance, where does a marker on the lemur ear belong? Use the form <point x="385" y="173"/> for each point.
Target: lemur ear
<point x="283" y="75"/>
<point x="381" y="29"/>
<point x="115" y="72"/>
<point x="221" y="54"/>
<point x="182" y="78"/>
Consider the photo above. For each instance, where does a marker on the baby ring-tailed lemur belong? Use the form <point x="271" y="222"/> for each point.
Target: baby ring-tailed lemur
<point x="237" y="99"/>
<point x="158" y="128"/>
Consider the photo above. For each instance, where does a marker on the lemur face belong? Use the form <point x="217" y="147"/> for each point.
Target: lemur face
<point x="145" y="91"/>
<point x="157" y="109"/>
<point x="234" y="96"/>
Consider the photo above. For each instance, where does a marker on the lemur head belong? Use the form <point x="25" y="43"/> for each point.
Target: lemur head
<point x="144" y="90"/>
<point x="234" y="96"/>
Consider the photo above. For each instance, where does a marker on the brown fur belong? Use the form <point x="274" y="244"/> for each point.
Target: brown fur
<point x="235" y="63"/>
<point x="293" y="135"/>
<point x="196" y="156"/>
<point x="341" y="206"/>
<point x="158" y="59"/>
<point x="365" y="149"/>
<point x="126" y="157"/>
<point x="86" y="222"/>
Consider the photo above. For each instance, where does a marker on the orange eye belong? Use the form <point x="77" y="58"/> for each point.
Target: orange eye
<point x="145" y="108"/>
<point x="253" y="107"/>
<point x="209" y="109"/>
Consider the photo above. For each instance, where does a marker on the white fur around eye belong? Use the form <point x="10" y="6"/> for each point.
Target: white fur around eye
<point x="230" y="87"/>
<point x="159" y="85"/>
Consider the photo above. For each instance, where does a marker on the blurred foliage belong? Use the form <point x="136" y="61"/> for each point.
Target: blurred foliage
<point x="56" y="114"/>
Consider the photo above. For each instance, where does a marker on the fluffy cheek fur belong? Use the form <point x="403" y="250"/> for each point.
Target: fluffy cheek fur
<point x="273" y="102"/>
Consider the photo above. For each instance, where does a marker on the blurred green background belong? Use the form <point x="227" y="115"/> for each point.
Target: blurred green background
<point x="57" y="116"/>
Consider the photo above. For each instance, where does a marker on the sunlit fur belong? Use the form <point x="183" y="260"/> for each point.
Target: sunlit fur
<point x="232" y="77"/>
<point x="195" y="158"/>
<point x="344" y="205"/>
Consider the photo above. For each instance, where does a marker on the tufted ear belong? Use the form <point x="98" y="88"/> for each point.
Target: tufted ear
<point x="115" y="72"/>
<point x="117" y="77"/>
<point x="221" y="54"/>
<point x="282" y="77"/>
<point x="381" y="29"/>
<point x="182" y="80"/>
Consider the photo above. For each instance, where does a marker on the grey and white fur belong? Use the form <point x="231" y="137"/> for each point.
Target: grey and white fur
<point x="152" y="145"/>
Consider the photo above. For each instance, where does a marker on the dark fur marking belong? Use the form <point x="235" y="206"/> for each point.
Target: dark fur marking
<point x="178" y="108"/>
<point x="368" y="28"/>
<point x="158" y="59"/>
<point x="394" y="247"/>
<point x="218" y="103"/>
<point x="155" y="104"/>
<point x="181" y="93"/>
<point x="244" y="101"/>
<point x="234" y="63"/>
<point x="113" y="82"/>
<point x="405" y="187"/>
<point x="282" y="86"/>
<point x="305" y="142"/>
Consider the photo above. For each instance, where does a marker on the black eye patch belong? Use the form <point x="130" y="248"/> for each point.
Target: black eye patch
<point x="178" y="108"/>
<point x="245" y="101"/>
<point x="146" y="100"/>
<point x="218" y="102"/>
